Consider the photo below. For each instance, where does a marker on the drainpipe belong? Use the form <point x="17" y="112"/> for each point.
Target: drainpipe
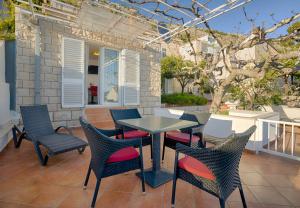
<point x="37" y="66"/>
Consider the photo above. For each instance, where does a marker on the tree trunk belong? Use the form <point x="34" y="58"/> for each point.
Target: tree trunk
<point x="217" y="99"/>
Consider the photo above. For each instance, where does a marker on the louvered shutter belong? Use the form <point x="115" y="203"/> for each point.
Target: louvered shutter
<point x="72" y="73"/>
<point x="130" y="64"/>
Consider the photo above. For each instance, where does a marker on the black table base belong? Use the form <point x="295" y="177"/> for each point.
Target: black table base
<point x="156" y="178"/>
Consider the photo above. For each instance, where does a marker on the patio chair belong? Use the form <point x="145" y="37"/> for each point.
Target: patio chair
<point x="39" y="130"/>
<point x="186" y="136"/>
<point x="111" y="156"/>
<point x="215" y="170"/>
<point x="127" y="132"/>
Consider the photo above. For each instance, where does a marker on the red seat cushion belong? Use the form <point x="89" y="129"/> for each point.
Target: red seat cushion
<point x="181" y="137"/>
<point x="196" y="167"/>
<point x="124" y="154"/>
<point x="135" y="134"/>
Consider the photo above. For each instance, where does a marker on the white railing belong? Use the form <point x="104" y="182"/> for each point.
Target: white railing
<point x="280" y="138"/>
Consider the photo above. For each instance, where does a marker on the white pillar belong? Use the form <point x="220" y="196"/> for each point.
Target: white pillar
<point x="4" y="89"/>
<point x="2" y="61"/>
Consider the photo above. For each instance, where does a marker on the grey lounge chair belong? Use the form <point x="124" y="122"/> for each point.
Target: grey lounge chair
<point x="39" y="130"/>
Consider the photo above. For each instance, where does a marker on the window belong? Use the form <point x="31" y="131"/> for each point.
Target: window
<point x="110" y="77"/>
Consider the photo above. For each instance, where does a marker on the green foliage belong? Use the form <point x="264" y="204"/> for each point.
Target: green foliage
<point x="294" y="27"/>
<point x="170" y="65"/>
<point x="7" y="21"/>
<point x="183" y="99"/>
<point x="289" y="63"/>
<point x="256" y="93"/>
<point x="176" y="67"/>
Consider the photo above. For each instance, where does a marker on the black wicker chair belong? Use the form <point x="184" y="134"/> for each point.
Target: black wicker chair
<point x="215" y="170"/>
<point x="186" y="136"/>
<point x="127" y="132"/>
<point x="111" y="156"/>
<point x="39" y="130"/>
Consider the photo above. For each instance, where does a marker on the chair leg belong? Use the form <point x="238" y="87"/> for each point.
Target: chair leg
<point x="95" y="193"/>
<point x="17" y="141"/>
<point x="174" y="190"/>
<point x="174" y="180"/>
<point x="151" y="151"/>
<point x="222" y="203"/>
<point x="163" y="153"/>
<point x="142" y="175"/>
<point x="87" y="177"/>
<point x="81" y="150"/>
<point x="43" y="161"/>
<point x="243" y="196"/>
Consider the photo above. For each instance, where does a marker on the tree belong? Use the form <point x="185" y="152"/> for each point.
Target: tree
<point x="254" y="94"/>
<point x="7" y="20"/>
<point x="236" y="69"/>
<point x="176" y="67"/>
<point x="294" y="27"/>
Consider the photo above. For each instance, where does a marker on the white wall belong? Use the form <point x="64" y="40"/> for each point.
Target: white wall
<point x="286" y="113"/>
<point x="237" y="121"/>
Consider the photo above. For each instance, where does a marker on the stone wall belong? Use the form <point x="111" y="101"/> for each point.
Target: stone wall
<point x="51" y="33"/>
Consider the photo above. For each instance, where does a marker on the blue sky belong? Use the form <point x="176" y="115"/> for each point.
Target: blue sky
<point x="260" y="10"/>
<point x="235" y="21"/>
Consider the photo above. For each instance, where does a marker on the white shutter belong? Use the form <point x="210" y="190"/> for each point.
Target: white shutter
<point x="72" y="73"/>
<point x="130" y="64"/>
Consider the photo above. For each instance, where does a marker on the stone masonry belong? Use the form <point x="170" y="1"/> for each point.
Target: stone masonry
<point x="51" y="33"/>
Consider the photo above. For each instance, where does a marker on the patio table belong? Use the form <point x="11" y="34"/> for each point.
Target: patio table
<point x="155" y="125"/>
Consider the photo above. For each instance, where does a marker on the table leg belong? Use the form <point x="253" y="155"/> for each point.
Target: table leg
<point x="156" y="176"/>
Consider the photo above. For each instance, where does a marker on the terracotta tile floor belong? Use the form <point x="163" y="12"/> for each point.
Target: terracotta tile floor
<point x="269" y="182"/>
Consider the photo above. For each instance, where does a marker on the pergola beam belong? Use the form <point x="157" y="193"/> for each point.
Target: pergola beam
<point x="176" y="9"/>
<point x="126" y="14"/>
<point x="199" y="20"/>
<point x="202" y="5"/>
<point x="146" y="10"/>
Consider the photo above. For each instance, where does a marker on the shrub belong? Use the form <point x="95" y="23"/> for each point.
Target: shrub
<point x="183" y="99"/>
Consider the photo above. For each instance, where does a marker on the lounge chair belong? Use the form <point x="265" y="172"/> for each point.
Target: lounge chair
<point x="110" y="156"/>
<point x="39" y="130"/>
<point x="215" y="170"/>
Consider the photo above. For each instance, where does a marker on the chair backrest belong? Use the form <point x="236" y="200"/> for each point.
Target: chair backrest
<point x="36" y="121"/>
<point x="101" y="146"/>
<point x="189" y="117"/>
<point x="228" y="155"/>
<point x="119" y="114"/>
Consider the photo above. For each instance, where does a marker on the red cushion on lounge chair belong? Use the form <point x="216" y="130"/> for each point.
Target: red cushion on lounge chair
<point x="196" y="167"/>
<point x="135" y="134"/>
<point x="124" y="154"/>
<point x="181" y="137"/>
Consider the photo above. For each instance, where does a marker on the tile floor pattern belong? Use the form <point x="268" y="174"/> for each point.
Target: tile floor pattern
<point x="269" y="182"/>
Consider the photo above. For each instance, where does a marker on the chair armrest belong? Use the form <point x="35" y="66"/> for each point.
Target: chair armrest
<point x="204" y="155"/>
<point x="128" y="142"/>
<point x="110" y="132"/>
<point x="197" y="130"/>
<point x="66" y="128"/>
<point x="216" y="140"/>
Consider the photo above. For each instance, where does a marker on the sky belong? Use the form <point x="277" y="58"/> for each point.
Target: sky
<point x="260" y="11"/>
<point x="235" y="21"/>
